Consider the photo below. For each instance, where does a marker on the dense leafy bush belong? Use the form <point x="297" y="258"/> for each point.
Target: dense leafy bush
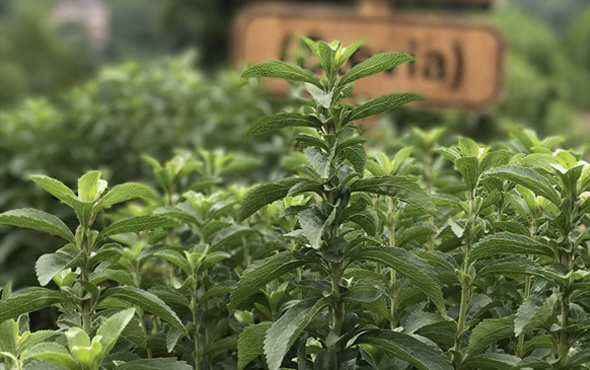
<point x="109" y="123"/>
<point x="440" y="257"/>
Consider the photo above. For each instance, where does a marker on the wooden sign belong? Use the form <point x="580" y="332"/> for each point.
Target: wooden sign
<point x="458" y="63"/>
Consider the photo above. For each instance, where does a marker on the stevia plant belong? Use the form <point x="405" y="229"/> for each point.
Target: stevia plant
<point x="200" y="253"/>
<point x="332" y="324"/>
<point x="79" y="270"/>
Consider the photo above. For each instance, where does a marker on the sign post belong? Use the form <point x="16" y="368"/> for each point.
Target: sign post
<point x="458" y="64"/>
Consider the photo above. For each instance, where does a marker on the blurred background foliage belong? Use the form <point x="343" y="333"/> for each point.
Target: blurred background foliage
<point x="91" y="84"/>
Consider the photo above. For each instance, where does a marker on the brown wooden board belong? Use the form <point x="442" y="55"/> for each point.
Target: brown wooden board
<point x="459" y="63"/>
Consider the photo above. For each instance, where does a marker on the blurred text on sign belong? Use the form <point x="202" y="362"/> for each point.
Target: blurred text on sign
<point x="458" y="63"/>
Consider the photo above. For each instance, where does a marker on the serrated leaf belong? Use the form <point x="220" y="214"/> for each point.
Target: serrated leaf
<point x="378" y="63"/>
<point x="319" y="161"/>
<point x="174" y="257"/>
<point x="136" y="224"/>
<point x="357" y="156"/>
<point x="468" y="147"/>
<point x="29" y="300"/>
<point x="222" y="345"/>
<point x="381" y="105"/>
<point x="258" y="276"/>
<point x="278" y="121"/>
<point x="489" y="331"/>
<point x="505" y="243"/>
<point x="410" y="266"/>
<point x="367" y="219"/>
<point x="327" y="58"/>
<point x="277" y="69"/>
<point x="265" y="194"/>
<point x="147" y="301"/>
<point x="492" y="361"/>
<point x="419" y="319"/>
<point x="54" y="353"/>
<point x="399" y="187"/>
<point x="134" y="333"/>
<point x="51" y="264"/>
<point x="534" y="313"/>
<point x="36" y="337"/>
<point x="283" y="333"/>
<point x="408" y="348"/>
<point x="495" y="159"/>
<point x="122" y="193"/>
<point x="312" y="223"/>
<point x="110" y="330"/>
<point x="528" y="178"/>
<point x="54" y="187"/>
<point x="31" y="218"/>
<point x="468" y="167"/>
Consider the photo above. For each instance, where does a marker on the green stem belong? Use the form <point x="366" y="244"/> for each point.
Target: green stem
<point x="527" y="292"/>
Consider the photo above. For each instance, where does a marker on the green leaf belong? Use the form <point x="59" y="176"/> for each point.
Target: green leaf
<point x="468" y="147"/>
<point x="378" y="63"/>
<point x="88" y="186"/>
<point x="155" y="364"/>
<point x="122" y="193"/>
<point x="36" y="337"/>
<point x="505" y="243"/>
<point x="29" y="300"/>
<point x="399" y="187"/>
<point x="277" y="69"/>
<point x="412" y="267"/>
<point x="495" y="159"/>
<point x="216" y="291"/>
<point x="367" y="219"/>
<point x="54" y="187"/>
<point x="278" y="121"/>
<point x="492" y="361"/>
<point x="55" y="353"/>
<point x="84" y="210"/>
<point x="230" y="233"/>
<point x="319" y="161"/>
<point x="357" y="156"/>
<point x="136" y="224"/>
<point x="8" y="336"/>
<point x="222" y="345"/>
<point x="265" y="194"/>
<point x="174" y="257"/>
<point x="283" y="333"/>
<point x="51" y="264"/>
<point x="408" y="348"/>
<point x="110" y="330"/>
<point x="489" y="331"/>
<point x="468" y="167"/>
<point x="312" y="223"/>
<point x="257" y="276"/>
<point x="579" y="359"/>
<point x="327" y="59"/>
<point x="147" y="301"/>
<point x="30" y="218"/>
<point x="535" y="313"/>
<point x="419" y="319"/>
<point x="528" y="178"/>
<point x="381" y="105"/>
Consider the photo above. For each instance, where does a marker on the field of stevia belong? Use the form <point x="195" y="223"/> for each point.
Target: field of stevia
<point x="456" y="256"/>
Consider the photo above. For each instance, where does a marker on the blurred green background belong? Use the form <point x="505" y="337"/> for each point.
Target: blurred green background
<point x="93" y="84"/>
